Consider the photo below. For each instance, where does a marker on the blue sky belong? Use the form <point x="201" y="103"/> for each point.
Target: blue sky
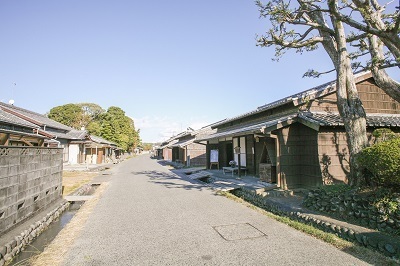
<point x="168" y="64"/>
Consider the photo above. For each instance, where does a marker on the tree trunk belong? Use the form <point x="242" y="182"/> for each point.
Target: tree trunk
<point x="350" y="107"/>
<point x="349" y="104"/>
<point x="384" y="81"/>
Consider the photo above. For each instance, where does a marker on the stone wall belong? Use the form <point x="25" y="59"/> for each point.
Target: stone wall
<point x="29" y="234"/>
<point x="30" y="179"/>
<point x="370" y="210"/>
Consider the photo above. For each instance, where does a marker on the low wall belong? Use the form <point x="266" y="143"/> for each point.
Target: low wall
<point x="30" y="179"/>
<point x="29" y="234"/>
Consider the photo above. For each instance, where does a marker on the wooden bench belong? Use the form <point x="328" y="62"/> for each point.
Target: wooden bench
<point x="234" y="169"/>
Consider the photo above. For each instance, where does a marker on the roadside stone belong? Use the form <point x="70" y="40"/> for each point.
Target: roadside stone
<point x="2" y="262"/>
<point x="9" y="249"/>
<point x="7" y="258"/>
<point x="351" y="234"/>
<point x="359" y="238"/>
<point x="372" y="242"/>
<point x="333" y="227"/>
<point x="365" y="240"/>
<point x="381" y="246"/>
<point x="3" y="251"/>
<point x="18" y="239"/>
<point x="13" y="243"/>
<point x="389" y="248"/>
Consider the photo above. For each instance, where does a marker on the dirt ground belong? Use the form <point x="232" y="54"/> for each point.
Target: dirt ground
<point x="75" y="179"/>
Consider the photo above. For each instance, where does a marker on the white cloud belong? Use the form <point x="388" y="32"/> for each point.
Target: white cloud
<point x="158" y="129"/>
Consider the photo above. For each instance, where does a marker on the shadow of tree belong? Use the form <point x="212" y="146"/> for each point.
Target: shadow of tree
<point x="327" y="177"/>
<point x="173" y="181"/>
<point x="342" y="154"/>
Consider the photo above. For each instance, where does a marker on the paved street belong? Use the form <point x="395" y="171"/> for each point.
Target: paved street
<point x="150" y="216"/>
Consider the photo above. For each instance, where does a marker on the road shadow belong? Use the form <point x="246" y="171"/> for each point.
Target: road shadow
<point x="169" y="180"/>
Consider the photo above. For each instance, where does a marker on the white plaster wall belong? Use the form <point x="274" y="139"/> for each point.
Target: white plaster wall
<point x="73" y="153"/>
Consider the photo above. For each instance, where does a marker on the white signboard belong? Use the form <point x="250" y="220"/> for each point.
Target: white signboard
<point x="214" y="156"/>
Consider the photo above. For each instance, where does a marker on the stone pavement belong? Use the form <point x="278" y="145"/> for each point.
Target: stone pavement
<point x="151" y="216"/>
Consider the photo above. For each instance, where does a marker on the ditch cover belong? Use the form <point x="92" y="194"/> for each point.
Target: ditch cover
<point x="238" y="232"/>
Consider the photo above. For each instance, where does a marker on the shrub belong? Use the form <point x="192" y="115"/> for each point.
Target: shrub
<point x="382" y="162"/>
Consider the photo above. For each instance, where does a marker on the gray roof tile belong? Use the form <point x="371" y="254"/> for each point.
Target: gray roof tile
<point x="334" y="119"/>
<point x="14" y="120"/>
<point x="39" y="118"/>
<point x="297" y="98"/>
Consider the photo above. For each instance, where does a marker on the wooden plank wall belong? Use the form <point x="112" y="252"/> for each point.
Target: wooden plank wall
<point x="333" y="154"/>
<point x="250" y="164"/>
<point x="299" y="164"/>
<point x="197" y="154"/>
<point x="374" y="99"/>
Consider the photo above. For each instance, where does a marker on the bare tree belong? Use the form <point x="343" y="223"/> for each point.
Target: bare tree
<point x="377" y="32"/>
<point x="303" y="27"/>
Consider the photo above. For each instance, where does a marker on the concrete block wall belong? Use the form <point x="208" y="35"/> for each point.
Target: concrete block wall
<point x="30" y="179"/>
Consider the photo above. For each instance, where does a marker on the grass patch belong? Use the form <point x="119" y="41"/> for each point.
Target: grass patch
<point x="75" y="179"/>
<point x="365" y="254"/>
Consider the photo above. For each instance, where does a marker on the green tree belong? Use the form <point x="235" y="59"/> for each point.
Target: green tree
<point x="112" y="124"/>
<point x="119" y="128"/>
<point x="69" y="114"/>
<point x="92" y="110"/>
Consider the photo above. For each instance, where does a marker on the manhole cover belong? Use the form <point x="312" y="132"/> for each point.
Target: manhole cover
<point x="238" y="231"/>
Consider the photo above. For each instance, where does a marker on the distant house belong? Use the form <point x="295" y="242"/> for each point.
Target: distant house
<point x="188" y="152"/>
<point x="57" y="134"/>
<point x="165" y="149"/>
<point x="183" y="149"/>
<point x="99" y="150"/>
<point x="299" y="141"/>
<point x="21" y="127"/>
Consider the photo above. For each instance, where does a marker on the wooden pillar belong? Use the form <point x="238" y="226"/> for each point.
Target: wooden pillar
<point x="279" y="181"/>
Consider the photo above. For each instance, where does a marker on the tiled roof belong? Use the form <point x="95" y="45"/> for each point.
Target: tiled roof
<point x="183" y="143"/>
<point x="101" y="140"/>
<point x="14" y="120"/>
<point x="77" y="134"/>
<point x="245" y="129"/>
<point x="39" y="119"/>
<point x="334" y="119"/>
<point x="204" y="132"/>
<point x="297" y="98"/>
<point x="169" y="144"/>
<point x="318" y="118"/>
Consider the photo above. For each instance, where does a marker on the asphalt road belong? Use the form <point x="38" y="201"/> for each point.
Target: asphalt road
<point x="150" y="216"/>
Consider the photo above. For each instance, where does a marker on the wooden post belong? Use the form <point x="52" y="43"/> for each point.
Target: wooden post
<point x="239" y="157"/>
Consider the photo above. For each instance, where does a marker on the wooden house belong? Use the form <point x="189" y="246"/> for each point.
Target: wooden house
<point x="183" y="149"/>
<point x="99" y="150"/>
<point x="189" y="152"/>
<point x="55" y="133"/>
<point x="299" y="141"/>
<point x="21" y="127"/>
<point x="15" y="131"/>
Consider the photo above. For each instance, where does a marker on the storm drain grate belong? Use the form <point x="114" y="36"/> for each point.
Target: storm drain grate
<point x="238" y="232"/>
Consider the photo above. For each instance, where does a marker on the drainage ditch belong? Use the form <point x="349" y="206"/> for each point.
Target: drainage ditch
<point x="39" y="243"/>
